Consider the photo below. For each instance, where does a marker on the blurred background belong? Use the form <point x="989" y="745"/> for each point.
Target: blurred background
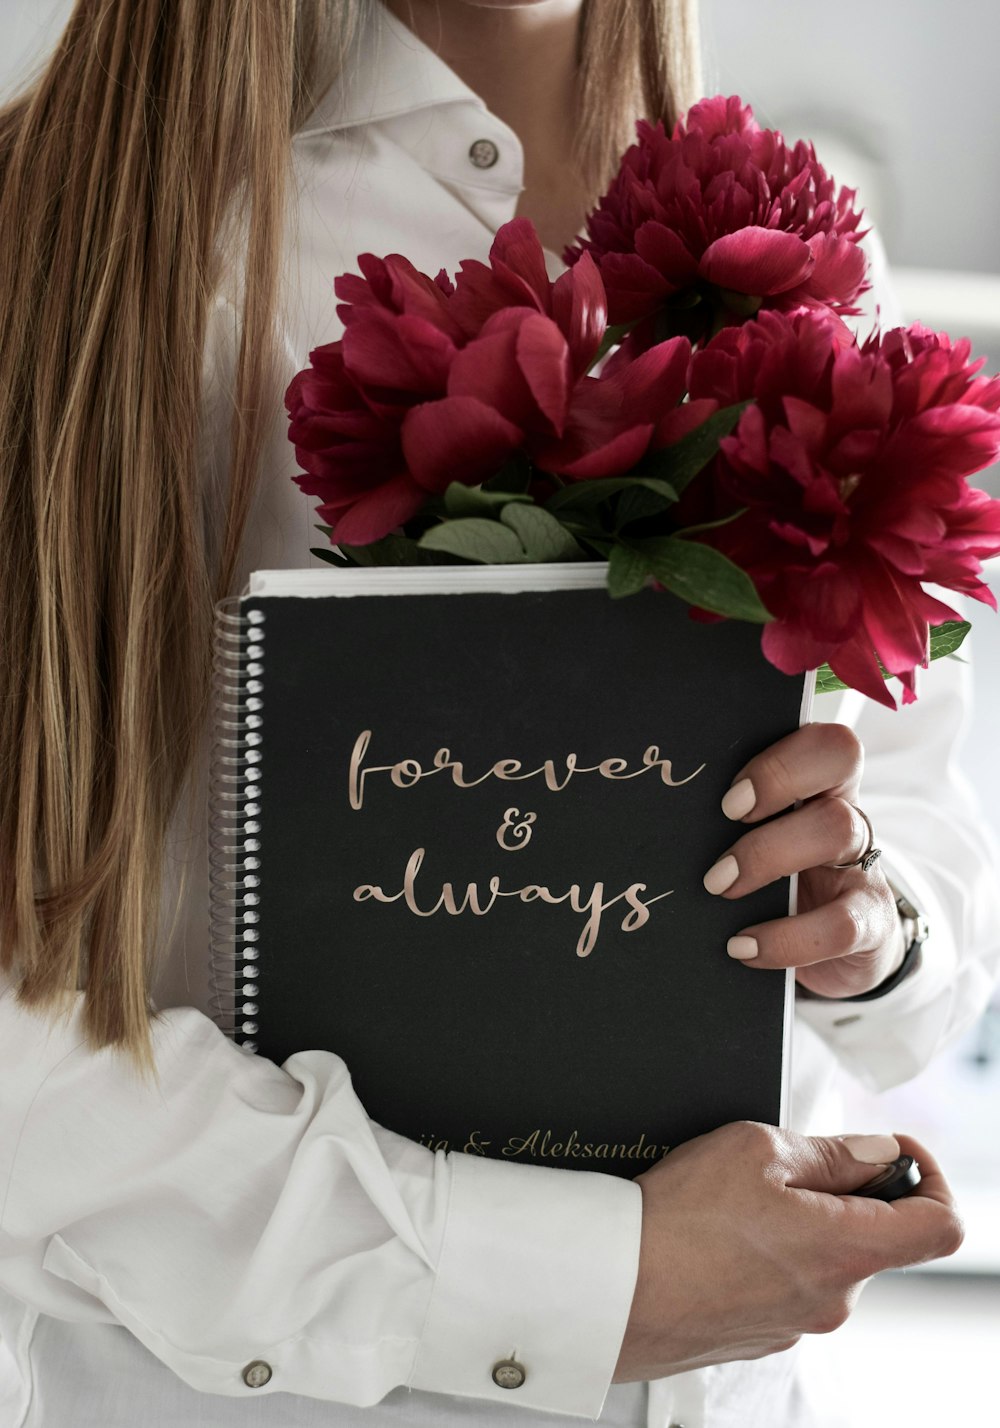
<point x="898" y="97"/>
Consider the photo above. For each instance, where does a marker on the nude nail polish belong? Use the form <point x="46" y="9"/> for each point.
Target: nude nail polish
<point x="722" y="874"/>
<point x="871" y="1149"/>
<point x="740" y="799"/>
<point x="744" y="949"/>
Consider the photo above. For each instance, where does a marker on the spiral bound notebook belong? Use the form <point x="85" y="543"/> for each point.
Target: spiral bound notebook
<point x="461" y="817"/>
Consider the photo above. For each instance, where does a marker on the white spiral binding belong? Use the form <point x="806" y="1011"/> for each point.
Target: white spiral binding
<point x="234" y="820"/>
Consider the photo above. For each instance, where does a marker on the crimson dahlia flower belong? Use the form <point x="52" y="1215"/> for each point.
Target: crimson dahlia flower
<point x="851" y="472"/>
<point x="700" y="229"/>
<point x="434" y="382"/>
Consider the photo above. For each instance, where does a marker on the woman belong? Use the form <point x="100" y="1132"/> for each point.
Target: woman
<point x="187" y="1230"/>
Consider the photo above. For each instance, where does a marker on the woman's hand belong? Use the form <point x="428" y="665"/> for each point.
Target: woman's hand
<point x="847" y="936"/>
<point x="750" y="1238"/>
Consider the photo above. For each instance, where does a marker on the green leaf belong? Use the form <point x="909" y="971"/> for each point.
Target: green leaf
<point x="949" y="637"/>
<point x="827" y="682"/>
<point x="585" y="495"/>
<point x="627" y="572"/>
<point x="462" y="500"/>
<point x="702" y="576"/>
<point x="944" y="641"/>
<point x="680" y="464"/>
<point x="331" y="557"/>
<point x="390" y="550"/>
<point x="640" y="503"/>
<point x="513" y="477"/>
<point x="543" y="538"/>
<point x="487" y="542"/>
<point x="598" y="544"/>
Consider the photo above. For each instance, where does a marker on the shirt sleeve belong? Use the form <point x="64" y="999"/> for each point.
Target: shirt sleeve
<point x="237" y="1211"/>
<point x="937" y="850"/>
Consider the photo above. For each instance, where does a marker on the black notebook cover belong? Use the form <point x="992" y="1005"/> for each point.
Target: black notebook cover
<point x="561" y="754"/>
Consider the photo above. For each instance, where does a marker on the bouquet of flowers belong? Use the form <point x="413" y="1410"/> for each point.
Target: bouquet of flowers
<point x="685" y="403"/>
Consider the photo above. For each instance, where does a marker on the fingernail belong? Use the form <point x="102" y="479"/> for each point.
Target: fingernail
<point x="744" y="949"/>
<point x="740" y="799"/>
<point x="872" y="1149"/>
<point x="722" y="874"/>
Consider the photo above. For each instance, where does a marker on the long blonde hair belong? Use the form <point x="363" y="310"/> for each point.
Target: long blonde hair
<point x="156" y="131"/>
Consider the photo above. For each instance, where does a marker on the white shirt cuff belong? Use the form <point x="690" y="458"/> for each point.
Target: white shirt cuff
<point x="550" y="1286"/>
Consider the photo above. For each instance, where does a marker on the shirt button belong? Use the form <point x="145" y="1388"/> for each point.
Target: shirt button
<point x="508" y="1373"/>
<point x="258" y="1373"/>
<point x="484" y="153"/>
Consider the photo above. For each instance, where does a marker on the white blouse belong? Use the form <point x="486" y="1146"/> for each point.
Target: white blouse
<point x="157" y="1241"/>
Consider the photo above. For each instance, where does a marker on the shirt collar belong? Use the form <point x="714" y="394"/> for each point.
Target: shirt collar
<point x="389" y="72"/>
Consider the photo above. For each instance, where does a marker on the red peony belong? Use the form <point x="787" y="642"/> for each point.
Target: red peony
<point x="434" y="382"/>
<point x="701" y="229"/>
<point x="515" y="277"/>
<point x="852" y="467"/>
<point x="843" y="490"/>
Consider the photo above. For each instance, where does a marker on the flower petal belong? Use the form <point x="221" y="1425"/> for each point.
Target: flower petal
<point x="719" y="114"/>
<point x="896" y="628"/>
<point x="790" y="648"/>
<point x="828" y="602"/>
<point x="580" y="307"/>
<point x="838" y="273"/>
<point x="960" y="440"/>
<point x="372" y="514"/>
<point x="652" y="384"/>
<point x="487" y="368"/>
<point x="861" y="391"/>
<point x="406" y="353"/>
<point x="681" y="420"/>
<point x="666" y="251"/>
<point x="635" y="289"/>
<point x="517" y="252"/>
<point x="854" y="662"/>
<point x="614" y="458"/>
<point x="757" y="261"/>
<point x="543" y="357"/>
<point x="456" y="439"/>
<point x="805" y="422"/>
